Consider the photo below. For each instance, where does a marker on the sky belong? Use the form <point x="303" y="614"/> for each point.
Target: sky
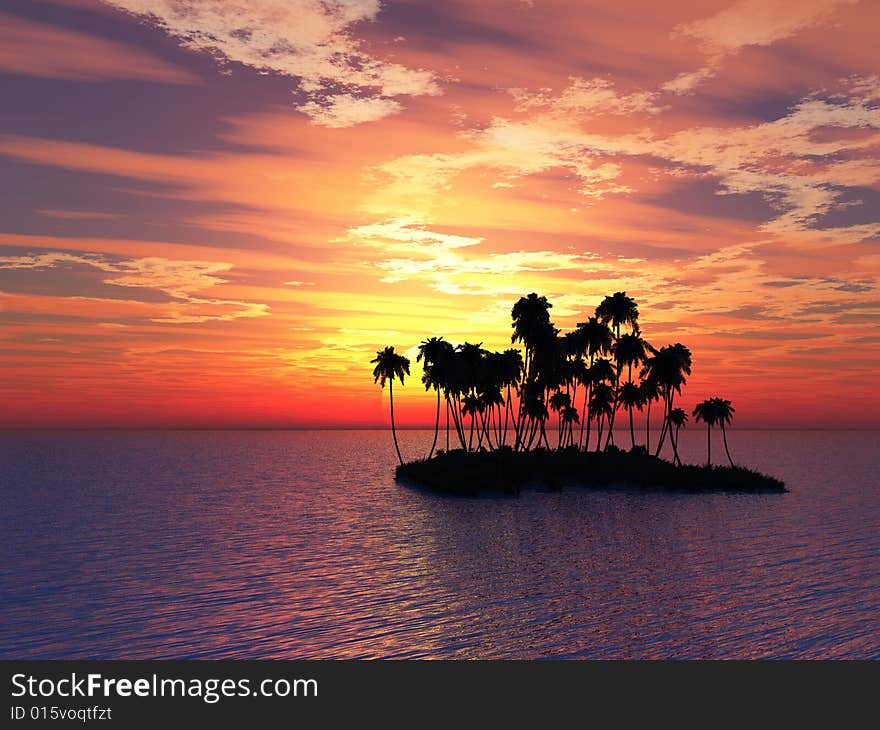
<point x="214" y="212"/>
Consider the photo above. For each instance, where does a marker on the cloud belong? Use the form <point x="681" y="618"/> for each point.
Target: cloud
<point x="792" y="162"/>
<point x="407" y="230"/>
<point x="181" y="280"/>
<point x="308" y="40"/>
<point x="587" y="97"/>
<point x="747" y="23"/>
<point x="76" y="215"/>
<point x="346" y="110"/>
<point x="38" y="49"/>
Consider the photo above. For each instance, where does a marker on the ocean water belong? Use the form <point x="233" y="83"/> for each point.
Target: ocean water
<point x="299" y="544"/>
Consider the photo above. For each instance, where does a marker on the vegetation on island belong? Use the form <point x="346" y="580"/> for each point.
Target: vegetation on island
<point x="549" y="408"/>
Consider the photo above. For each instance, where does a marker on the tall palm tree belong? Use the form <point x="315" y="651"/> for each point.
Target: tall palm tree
<point x="601" y="403"/>
<point x="677" y="417"/>
<point x="650" y="393"/>
<point x="707" y="413"/>
<point x="435" y="352"/>
<point x="390" y="365"/>
<point x="618" y="309"/>
<point x="511" y="368"/>
<point x="601" y="373"/>
<point x="668" y="367"/>
<point x="597" y="337"/>
<point x="630" y="397"/>
<point x="559" y="401"/>
<point x="724" y="414"/>
<point x="629" y="350"/>
<point x="569" y="418"/>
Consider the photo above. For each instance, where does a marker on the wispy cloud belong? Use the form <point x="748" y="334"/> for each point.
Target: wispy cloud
<point x="181" y="280"/>
<point x="312" y="41"/>
<point x="38" y="49"/>
<point x="747" y="23"/>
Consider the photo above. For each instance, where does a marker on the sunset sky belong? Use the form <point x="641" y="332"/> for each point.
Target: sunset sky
<point x="214" y="212"/>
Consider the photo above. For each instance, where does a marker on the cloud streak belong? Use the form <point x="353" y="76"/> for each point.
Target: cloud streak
<point x="312" y="41"/>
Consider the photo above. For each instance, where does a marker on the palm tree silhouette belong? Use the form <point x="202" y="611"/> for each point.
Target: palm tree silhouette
<point x="601" y="404"/>
<point x="706" y="412"/>
<point x="435" y="352"/>
<point x="650" y="393"/>
<point x="629" y="350"/>
<point x="597" y="338"/>
<point x="630" y="397"/>
<point x="559" y="401"/>
<point x="724" y="414"/>
<point x="390" y="365"/>
<point x="668" y="367"/>
<point x="618" y="309"/>
<point x="678" y="418"/>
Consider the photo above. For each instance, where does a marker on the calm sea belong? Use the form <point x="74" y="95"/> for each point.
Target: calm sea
<point x="300" y="545"/>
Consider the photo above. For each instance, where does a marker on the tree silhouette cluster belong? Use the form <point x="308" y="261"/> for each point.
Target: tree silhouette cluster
<point x="579" y="380"/>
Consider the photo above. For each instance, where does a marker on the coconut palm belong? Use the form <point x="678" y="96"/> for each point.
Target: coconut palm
<point x="617" y="310"/>
<point x="677" y="417"/>
<point x="629" y="350"/>
<point x="630" y="397"/>
<point x="569" y="418"/>
<point x="650" y="393"/>
<point x="668" y="367"/>
<point x="559" y="401"/>
<point x="511" y="370"/>
<point x="707" y="412"/>
<point x="492" y="400"/>
<point x="390" y="365"/>
<point x="724" y="414"/>
<point x="530" y="316"/>
<point x="435" y="352"/>
<point x="597" y="338"/>
<point x="601" y="403"/>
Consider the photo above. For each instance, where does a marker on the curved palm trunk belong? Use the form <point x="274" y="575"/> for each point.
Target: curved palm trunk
<point x="436" y="426"/>
<point x="447" y="424"/>
<point x="673" y="439"/>
<point x="632" y="430"/>
<point x="648" y="428"/>
<point x="667" y="409"/>
<point x="393" y="429"/>
<point x="726" y="450"/>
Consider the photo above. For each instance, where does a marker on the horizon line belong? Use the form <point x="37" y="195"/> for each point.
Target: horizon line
<point x="370" y="428"/>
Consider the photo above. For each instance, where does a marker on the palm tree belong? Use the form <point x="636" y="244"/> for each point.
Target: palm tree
<point x="601" y="372"/>
<point x="597" y="337"/>
<point x="559" y="401"/>
<point x="668" y="368"/>
<point x="601" y="403"/>
<point x="677" y="417"/>
<point x="492" y="401"/>
<point x="390" y="365"/>
<point x="650" y="393"/>
<point x="511" y="369"/>
<point x="724" y="414"/>
<point x="435" y="352"/>
<point x="629" y="350"/>
<point x="569" y="418"/>
<point x="630" y="397"/>
<point x="707" y="412"/>
<point x="618" y="309"/>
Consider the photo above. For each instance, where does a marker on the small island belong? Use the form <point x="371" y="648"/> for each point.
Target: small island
<point x="498" y="408"/>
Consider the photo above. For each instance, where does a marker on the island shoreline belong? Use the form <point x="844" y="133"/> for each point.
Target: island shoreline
<point x="506" y="471"/>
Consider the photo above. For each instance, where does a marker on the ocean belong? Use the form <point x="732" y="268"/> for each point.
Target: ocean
<point x="299" y="544"/>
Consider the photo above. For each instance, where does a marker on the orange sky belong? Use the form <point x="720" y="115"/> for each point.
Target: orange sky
<point x="216" y="214"/>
